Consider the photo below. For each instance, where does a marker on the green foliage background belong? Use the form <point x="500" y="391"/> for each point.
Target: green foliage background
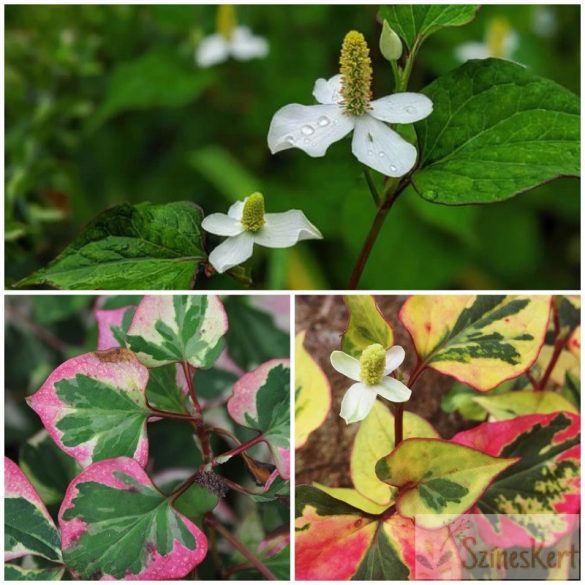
<point x="105" y="104"/>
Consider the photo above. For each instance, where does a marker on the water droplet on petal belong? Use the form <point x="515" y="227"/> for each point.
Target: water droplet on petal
<point x="289" y="139"/>
<point x="307" y="130"/>
<point x="411" y="109"/>
<point x="381" y="155"/>
<point x="430" y="194"/>
<point x="371" y="152"/>
<point x="393" y="168"/>
<point x="323" y="121"/>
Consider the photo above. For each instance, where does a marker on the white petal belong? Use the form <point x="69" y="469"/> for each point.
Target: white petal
<point x="393" y="390"/>
<point x="402" y="108"/>
<point x="357" y="403"/>
<point x="221" y="224"/>
<point x="232" y="252"/>
<point x="212" y="50"/>
<point x="394" y="357"/>
<point x="236" y="210"/>
<point x="244" y="45"/>
<point x="327" y="91"/>
<point x="468" y="51"/>
<point x="511" y="43"/>
<point x="310" y="128"/>
<point x="346" y="365"/>
<point x="283" y="230"/>
<point x="382" y="149"/>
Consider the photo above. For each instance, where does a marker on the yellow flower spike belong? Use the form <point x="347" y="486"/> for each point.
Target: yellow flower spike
<point x="372" y="364"/>
<point x="356" y="71"/>
<point x="226" y="21"/>
<point x="498" y="30"/>
<point x="253" y="213"/>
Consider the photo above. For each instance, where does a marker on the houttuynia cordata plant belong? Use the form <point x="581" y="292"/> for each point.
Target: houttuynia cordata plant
<point x="422" y="506"/>
<point x="88" y="498"/>
<point x="484" y="131"/>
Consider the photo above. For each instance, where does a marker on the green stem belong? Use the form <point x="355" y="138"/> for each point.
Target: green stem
<point x="372" y="186"/>
<point x="240" y="547"/>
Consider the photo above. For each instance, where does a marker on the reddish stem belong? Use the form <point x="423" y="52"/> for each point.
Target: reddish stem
<point x="239" y="449"/>
<point x="200" y="425"/>
<point x="532" y="380"/>
<point x="558" y="348"/>
<point x="238" y="488"/>
<point x="166" y="414"/>
<point x="246" y="552"/>
<point x="399" y="410"/>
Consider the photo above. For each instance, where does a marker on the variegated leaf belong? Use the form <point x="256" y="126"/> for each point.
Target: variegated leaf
<point x="336" y="541"/>
<point x="353" y="498"/>
<point x="116" y="525"/>
<point x="437" y="478"/>
<point x="94" y="408"/>
<point x="113" y="325"/>
<point x="167" y="389"/>
<point x="28" y="527"/>
<point x="179" y="328"/>
<point x="366" y="325"/>
<point x="312" y="393"/>
<point x="537" y="498"/>
<point x="261" y="401"/>
<point x="375" y="439"/>
<point x="513" y="404"/>
<point x="479" y="340"/>
<point x="14" y="572"/>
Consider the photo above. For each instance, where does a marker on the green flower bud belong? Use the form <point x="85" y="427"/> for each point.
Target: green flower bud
<point x="390" y="43"/>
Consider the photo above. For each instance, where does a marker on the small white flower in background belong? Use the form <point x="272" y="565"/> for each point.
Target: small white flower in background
<point x="371" y="374"/>
<point x="501" y="41"/>
<point x="544" y="22"/>
<point x="230" y="40"/>
<point x="344" y="105"/>
<point x="246" y="224"/>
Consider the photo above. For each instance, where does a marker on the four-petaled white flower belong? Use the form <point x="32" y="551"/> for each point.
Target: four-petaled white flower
<point x="230" y="40"/>
<point x="370" y="373"/>
<point x="344" y="105"/>
<point x="501" y="42"/>
<point x="246" y="224"/>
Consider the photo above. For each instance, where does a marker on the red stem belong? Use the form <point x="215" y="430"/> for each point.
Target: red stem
<point x="399" y="410"/>
<point x="239" y="449"/>
<point x="238" y="488"/>
<point x="246" y="552"/>
<point x="200" y="425"/>
<point x="166" y="414"/>
<point x="558" y="348"/>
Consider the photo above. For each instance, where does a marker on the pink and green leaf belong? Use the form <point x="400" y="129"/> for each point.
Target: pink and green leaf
<point x="94" y="408"/>
<point x="537" y="498"/>
<point x="478" y="340"/>
<point x="312" y="393"/>
<point x="14" y="572"/>
<point x="116" y="525"/>
<point x="374" y="440"/>
<point x="366" y="325"/>
<point x="180" y="328"/>
<point x="112" y="326"/>
<point x="28" y="527"/>
<point x="337" y="541"/>
<point x="438" y="479"/>
<point x="261" y="401"/>
<point x="167" y="389"/>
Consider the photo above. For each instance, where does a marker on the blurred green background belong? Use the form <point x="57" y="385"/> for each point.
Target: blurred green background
<point x="105" y="104"/>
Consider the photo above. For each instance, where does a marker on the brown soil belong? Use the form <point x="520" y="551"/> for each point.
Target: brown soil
<point x="325" y="457"/>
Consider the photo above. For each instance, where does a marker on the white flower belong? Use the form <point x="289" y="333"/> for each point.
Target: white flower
<point x="501" y="41"/>
<point x="314" y="128"/>
<point x="246" y="224"/>
<point x="371" y="374"/>
<point x="242" y="46"/>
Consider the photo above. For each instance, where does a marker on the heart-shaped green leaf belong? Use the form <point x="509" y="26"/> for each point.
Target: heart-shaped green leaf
<point x="438" y="479"/>
<point x="366" y="326"/>
<point x="116" y="524"/>
<point x="141" y="246"/>
<point x="415" y="22"/>
<point x="479" y="340"/>
<point x="94" y="408"/>
<point x="312" y="393"/>
<point x="179" y="328"/>
<point x="28" y="527"/>
<point x="496" y="130"/>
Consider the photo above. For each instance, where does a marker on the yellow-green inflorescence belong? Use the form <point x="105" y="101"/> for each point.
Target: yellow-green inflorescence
<point x="356" y="71"/>
<point x="372" y="364"/>
<point x="498" y="31"/>
<point x="226" y="21"/>
<point x="253" y="213"/>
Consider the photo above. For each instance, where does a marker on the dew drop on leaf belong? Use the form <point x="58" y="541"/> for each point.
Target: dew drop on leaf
<point x="307" y="130"/>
